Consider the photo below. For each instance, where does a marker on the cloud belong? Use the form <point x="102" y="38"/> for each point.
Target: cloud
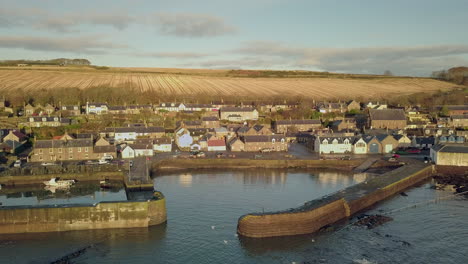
<point x="175" y="55"/>
<point x="409" y="60"/>
<point x="192" y="25"/>
<point x="82" y="45"/>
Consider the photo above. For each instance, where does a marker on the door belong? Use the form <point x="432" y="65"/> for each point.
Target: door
<point x="388" y="148"/>
<point x="374" y="148"/>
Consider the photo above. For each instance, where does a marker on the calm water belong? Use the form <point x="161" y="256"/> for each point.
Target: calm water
<point x="203" y="209"/>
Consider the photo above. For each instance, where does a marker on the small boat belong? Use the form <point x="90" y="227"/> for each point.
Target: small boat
<point x="55" y="182"/>
<point x="105" y="184"/>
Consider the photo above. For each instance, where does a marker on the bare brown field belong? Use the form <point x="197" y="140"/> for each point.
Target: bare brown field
<point x="170" y="83"/>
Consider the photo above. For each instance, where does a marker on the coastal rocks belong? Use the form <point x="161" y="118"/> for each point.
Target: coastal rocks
<point x="372" y="221"/>
<point x="459" y="182"/>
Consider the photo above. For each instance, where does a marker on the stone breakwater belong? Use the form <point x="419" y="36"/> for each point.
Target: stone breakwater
<point x="316" y="214"/>
<point x="124" y="214"/>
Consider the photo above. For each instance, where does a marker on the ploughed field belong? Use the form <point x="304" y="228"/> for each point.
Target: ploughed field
<point x="173" y="82"/>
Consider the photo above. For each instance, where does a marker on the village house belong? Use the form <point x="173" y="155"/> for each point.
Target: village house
<point x="373" y="144"/>
<point x="170" y="107"/>
<point x="333" y="145"/>
<point x="215" y="144"/>
<point x="29" y="110"/>
<point x="238" y="114"/>
<point x="128" y="152"/>
<point x="296" y="125"/>
<point x="359" y="146"/>
<point x="48" y="109"/>
<point x="14" y="135"/>
<point x="210" y="121"/>
<point x="388" y="143"/>
<point x="235" y="144"/>
<point x="450" y="139"/>
<point x="183" y="139"/>
<point x="60" y="150"/>
<point x="47" y="121"/>
<point x="117" y="110"/>
<point x="221" y="132"/>
<point x="422" y="142"/>
<point x="459" y="120"/>
<point x="450" y="155"/>
<point x="324" y="107"/>
<point x="190" y="124"/>
<point x="143" y="149"/>
<point x="138" y="109"/>
<point x="265" y="143"/>
<point x="200" y="107"/>
<point x="387" y="119"/>
<point x="131" y="133"/>
<point x="377" y="105"/>
<point x="346" y="124"/>
<point x="254" y="130"/>
<point x="97" y="108"/>
<point x="403" y="141"/>
<point x="163" y="144"/>
<point x="70" y="110"/>
<point x="456" y="109"/>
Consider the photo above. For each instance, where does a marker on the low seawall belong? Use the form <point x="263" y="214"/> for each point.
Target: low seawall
<point x="17" y="180"/>
<point x="125" y="214"/>
<point x="226" y="163"/>
<point x="319" y="213"/>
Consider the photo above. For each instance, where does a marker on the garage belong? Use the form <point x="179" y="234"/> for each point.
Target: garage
<point x="388" y="148"/>
<point x="374" y="148"/>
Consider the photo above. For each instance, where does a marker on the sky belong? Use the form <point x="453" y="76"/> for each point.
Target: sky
<point x="410" y="37"/>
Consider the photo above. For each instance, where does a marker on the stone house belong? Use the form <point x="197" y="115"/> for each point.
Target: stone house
<point x="210" y="121"/>
<point x="47" y="121"/>
<point x="324" y="107"/>
<point x="450" y="155"/>
<point x="128" y="152"/>
<point x="359" y="146"/>
<point x="29" y="110"/>
<point x="190" y="124"/>
<point x="423" y="142"/>
<point x="373" y="145"/>
<point x="117" y="110"/>
<point x="14" y="135"/>
<point x="49" y="109"/>
<point x="265" y="143"/>
<point x="344" y="124"/>
<point x="296" y="125"/>
<point x="70" y="110"/>
<point x="238" y="114"/>
<point x="254" y="130"/>
<point x="61" y="150"/>
<point x="403" y="141"/>
<point x="459" y="120"/>
<point x="388" y="143"/>
<point x="353" y="105"/>
<point x="387" y="118"/>
<point x="457" y="109"/>
<point x="130" y="134"/>
<point x="235" y="144"/>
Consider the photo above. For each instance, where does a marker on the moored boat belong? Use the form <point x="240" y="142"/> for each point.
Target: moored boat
<point x="55" y="182"/>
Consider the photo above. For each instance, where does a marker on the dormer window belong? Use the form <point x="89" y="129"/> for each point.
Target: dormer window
<point x="335" y="141"/>
<point x="55" y="118"/>
<point x="273" y="141"/>
<point x="325" y="142"/>
<point x="346" y="141"/>
<point x="31" y="119"/>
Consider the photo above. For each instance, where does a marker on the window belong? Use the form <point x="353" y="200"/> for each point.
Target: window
<point x="335" y="142"/>
<point x="70" y="150"/>
<point x="86" y="155"/>
<point x="70" y="157"/>
<point x="51" y="150"/>
<point x="40" y="157"/>
<point x="360" y="145"/>
<point x="325" y="142"/>
<point x="79" y="149"/>
<point x="273" y="141"/>
<point x="86" y="149"/>
<point x="60" y="150"/>
<point x="346" y="141"/>
<point x="40" y="151"/>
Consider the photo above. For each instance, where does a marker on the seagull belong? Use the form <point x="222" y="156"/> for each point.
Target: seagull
<point x="213" y="227"/>
<point x="225" y="242"/>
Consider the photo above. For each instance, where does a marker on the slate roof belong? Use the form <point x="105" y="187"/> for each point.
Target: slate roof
<point x="236" y="109"/>
<point x="262" y="138"/>
<point x="387" y="114"/>
<point x="162" y="141"/>
<point x="117" y="108"/>
<point x="425" y="140"/>
<point x="459" y="117"/>
<point x="210" y="118"/>
<point x="135" y="129"/>
<point x="49" y="119"/>
<point x="451" y="148"/>
<point x="104" y="149"/>
<point x="299" y="122"/>
<point x="141" y="146"/>
<point x="63" y="143"/>
<point x="339" y="139"/>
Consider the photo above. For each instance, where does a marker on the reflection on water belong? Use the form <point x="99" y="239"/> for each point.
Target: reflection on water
<point x="203" y="208"/>
<point x="78" y="193"/>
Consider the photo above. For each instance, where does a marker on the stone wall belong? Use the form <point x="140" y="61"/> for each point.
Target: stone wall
<point x="322" y="212"/>
<point x="26" y="219"/>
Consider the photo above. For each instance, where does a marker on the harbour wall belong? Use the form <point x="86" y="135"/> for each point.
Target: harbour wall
<point x="316" y="214"/>
<point x="16" y="180"/>
<point x="103" y="215"/>
<point x="224" y="163"/>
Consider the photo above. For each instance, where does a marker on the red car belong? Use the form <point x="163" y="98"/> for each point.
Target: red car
<point x="413" y="151"/>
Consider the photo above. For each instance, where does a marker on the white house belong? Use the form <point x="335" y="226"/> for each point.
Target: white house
<point x="360" y="146"/>
<point x="216" y="145"/>
<point x="170" y="107"/>
<point x="143" y="150"/>
<point x="96" y="108"/>
<point x="183" y="138"/>
<point x="331" y="145"/>
<point x="162" y="145"/>
<point x="128" y="153"/>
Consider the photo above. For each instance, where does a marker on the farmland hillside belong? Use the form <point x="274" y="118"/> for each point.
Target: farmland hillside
<point x="170" y="83"/>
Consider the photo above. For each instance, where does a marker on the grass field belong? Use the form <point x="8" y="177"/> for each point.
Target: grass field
<point x="223" y="83"/>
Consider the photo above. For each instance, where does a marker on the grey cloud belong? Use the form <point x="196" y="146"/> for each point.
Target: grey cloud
<point x="192" y="25"/>
<point x="83" y="45"/>
<point x="176" y="55"/>
<point x="412" y="60"/>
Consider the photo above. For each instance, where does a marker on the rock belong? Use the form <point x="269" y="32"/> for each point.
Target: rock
<point x="373" y="221"/>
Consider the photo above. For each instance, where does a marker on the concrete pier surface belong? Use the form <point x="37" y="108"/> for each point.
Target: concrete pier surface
<point x="314" y="215"/>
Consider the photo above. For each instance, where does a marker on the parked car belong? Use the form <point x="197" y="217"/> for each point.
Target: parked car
<point x="48" y="164"/>
<point x="201" y="155"/>
<point x="413" y="151"/>
<point x="130" y="163"/>
<point x="346" y="158"/>
<point x="17" y="164"/>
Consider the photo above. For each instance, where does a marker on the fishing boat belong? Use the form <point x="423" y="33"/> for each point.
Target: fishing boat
<point x="55" y="182"/>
